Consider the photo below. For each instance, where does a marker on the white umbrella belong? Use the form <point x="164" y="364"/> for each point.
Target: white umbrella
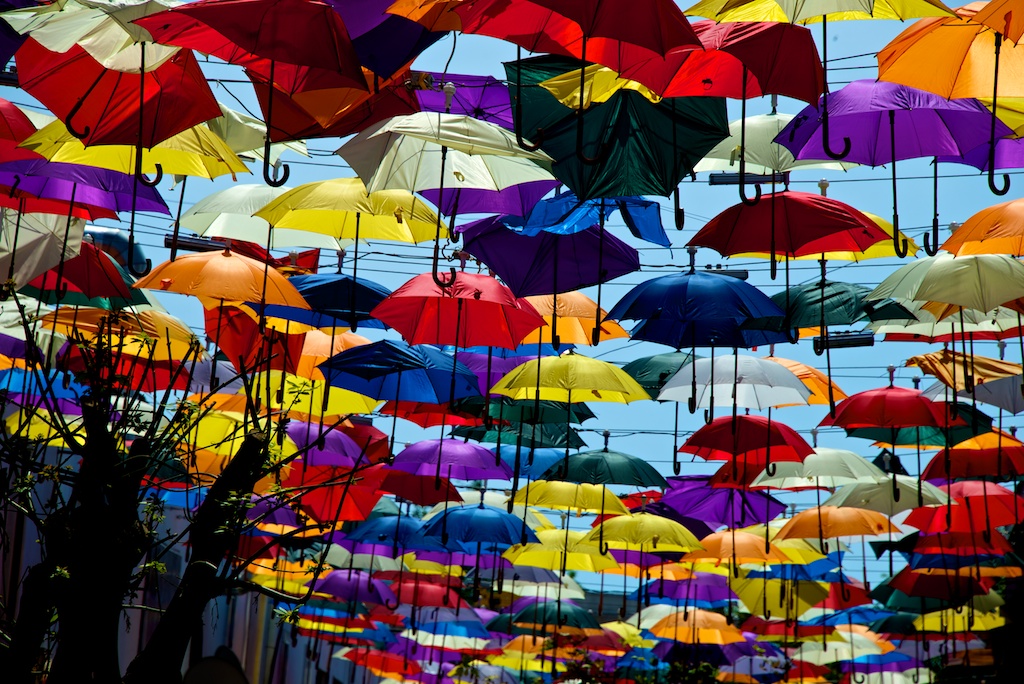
<point x="827" y="468"/>
<point x="733" y="380"/>
<point x="405" y="153"/>
<point x="1004" y="393"/>
<point x="36" y="243"/>
<point x="877" y="495"/>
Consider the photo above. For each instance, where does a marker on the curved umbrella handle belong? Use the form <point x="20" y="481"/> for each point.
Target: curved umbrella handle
<point x="826" y="145"/>
<point x="895" y="488"/>
<point x="131" y="260"/>
<point x="273" y="179"/>
<point x="79" y="134"/>
<point x="708" y="416"/>
<point x="749" y="201"/>
<point x="678" y="212"/>
<point x="992" y="178"/>
<point x="900" y="246"/>
<point x="517" y="122"/>
<point x="859" y="677"/>
<point x="156" y="179"/>
<point x="14" y="185"/>
<point x="931" y="240"/>
<point x="844" y="591"/>
<point x="771" y="468"/>
<point x="391" y="605"/>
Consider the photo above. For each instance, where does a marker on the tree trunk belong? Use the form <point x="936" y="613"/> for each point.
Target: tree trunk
<point x="212" y="536"/>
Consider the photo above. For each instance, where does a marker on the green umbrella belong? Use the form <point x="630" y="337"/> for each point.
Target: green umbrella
<point x="549" y="615"/>
<point x="651" y="373"/>
<point x="898" y="623"/>
<point x="603" y="466"/>
<point x="622" y="147"/>
<point x="818" y="304"/>
<point x="510" y="410"/>
<point x="543" y="435"/>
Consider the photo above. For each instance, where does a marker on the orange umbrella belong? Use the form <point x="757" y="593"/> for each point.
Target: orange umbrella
<point x="998" y="229"/>
<point x="736" y="547"/>
<point x="1000" y="16"/>
<point x="813" y="379"/>
<point x="223" y="276"/>
<point x="697" y="627"/>
<point x="980" y="369"/>
<point x="571" y="316"/>
<point x="826" y="522"/>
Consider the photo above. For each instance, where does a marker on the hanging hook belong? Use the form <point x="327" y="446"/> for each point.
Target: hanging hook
<point x="992" y="131"/>
<point x="156" y="179"/>
<point x="131" y="259"/>
<point x="748" y="201"/>
<point x="900" y="246"/>
<point x="273" y="179"/>
<point x="832" y="154"/>
<point x="79" y="134"/>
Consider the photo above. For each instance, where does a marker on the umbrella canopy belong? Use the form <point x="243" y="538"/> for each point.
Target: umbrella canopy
<point x="830" y="521"/>
<point x="751" y="439"/>
<point x="888" y="495"/>
<point x="453" y="458"/>
<point x="697" y="627"/>
<point x="824" y="303"/>
<point x="998" y="229"/>
<point x="735" y="380"/>
<point x="652" y="372"/>
<point x="404" y="153"/>
<point x="643" y="532"/>
<point x="469" y="310"/>
<point x="578" y="319"/>
<point x="570" y="496"/>
<point x="548" y="263"/>
<point x="977" y="281"/>
<point x="486" y="525"/>
<point x="568" y="378"/>
<point x="605" y="467"/>
<point x="628" y="133"/>
<point x="699" y="309"/>
<point x="695" y="497"/>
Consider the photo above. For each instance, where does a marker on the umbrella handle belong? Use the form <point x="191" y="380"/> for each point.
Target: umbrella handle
<point x="391" y="606"/>
<point x="895" y="489"/>
<point x="992" y="134"/>
<point x="80" y="134"/>
<point x="156" y="179"/>
<point x="748" y="201"/>
<point x="708" y="417"/>
<point x="604" y="148"/>
<point x="844" y="591"/>
<point x="272" y="178"/>
<point x="992" y="178"/>
<point x="680" y="215"/>
<point x="517" y="123"/>
<point x="931" y="240"/>
<point x="832" y="154"/>
<point x="131" y="259"/>
<point x="859" y="678"/>
<point x="770" y="469"/>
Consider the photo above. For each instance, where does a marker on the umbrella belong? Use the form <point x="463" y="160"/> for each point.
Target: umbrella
<point x="605" y="467"/>
<point x="750" y="441"/>
<point x="556" y="378"/>
<point x="888" y="122"/>
<point x="468" y="310"/>
<point x="652" y="372"/>
<point x="821" y="387"/>
<point x="826" y="522"/>
<point x="570" y="496"/>
<point x="698" y="309"/>
<point x="475" y="525"/>
<point x="627" y="133"/>
<point x="643" y="532"/>
<point x="32" y="244"/>
<point x="697" y="627"/>
<point x="695" y="497"/>
<point x="994" y="455"/>
<point x="456" y="459"/>
<point x="335" y="300"/>
<point x="515" y="200"/>
<point x="255" y="34"/>
<point x="524" y="437"/>
<point x="878" y="495"/>
<point x="994" y="230"/>
<point x="353" y="586"/>
<point x="560" y="551"/>
<point x="963" y="60"/>
<point x="575" y="313"/>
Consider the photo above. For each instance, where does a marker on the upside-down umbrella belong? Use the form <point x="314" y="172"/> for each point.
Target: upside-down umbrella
<point x="624" y="146"/>
<point x="955" y="57"/>
<point x="887" y="122"/>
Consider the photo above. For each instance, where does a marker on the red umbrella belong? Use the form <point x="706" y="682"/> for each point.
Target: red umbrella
<point x="1000" y="505"/>
<point x="31" y="205"/>
<point x="372" y="441"/>
<point x="130" y="373"/>
<point x="249" y="348"/>
<point x="428" y="415"/>
<point x="15" y="126"/>
<point x="92" y="273"/>
<point x="417" y="593"/>
<point x="845" y="596"/>
<point x="890" y="407"/>
<point x="421" y="490"/>
<point x="262" y="36"/>
<point x="1002" y="463"/>
<point x="383" y="662"/>
<point x="107" y="106"/>
<point x="469" y="310"/>
<point x="948" y="542"/>
<point x="963" y="515"/>
<point x="790" y="223"/>
<point x="752" y="443"/>
<point x="957" y="587"/>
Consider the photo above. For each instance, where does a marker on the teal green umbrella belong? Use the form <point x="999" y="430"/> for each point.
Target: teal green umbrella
<point x="506" y="409"/>
<point x="817" y="304"/>
<point x="542" y="435"/>
<point x="548" y="616"/>
<point x="651" y="373"/>
<point x="624" y="146"/>
<point x="604" y="466"/>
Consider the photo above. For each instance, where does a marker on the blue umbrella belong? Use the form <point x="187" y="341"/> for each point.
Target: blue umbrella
<point x="395" y="371"/>
<point x="335" y="300"/>
<point x="700" y="310"/>
<point x="857" y="615"/>
<point x="565" y="214"/>
<point x="395" y="531"/>
<point x="490" y="527"/>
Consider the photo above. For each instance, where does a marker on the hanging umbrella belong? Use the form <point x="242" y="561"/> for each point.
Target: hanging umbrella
<point x="473" y="525"/>
<point x="524" y="437"/>
<point x="992" y="456"/>
<point x="697" y="627"/>
<point x="330" y="298"/>
<point x="824" y="303"/>
<point x="556" y="378"/>
<point x="560" y="550"/>
<point x="453" y="458"/>
<point x="605" y="467"/>
<point x="644" y="532"/>
<point x="981" y="369"/>
<point x="878" y="495"/>
<point x="569" y="496"/>
<point x="998" y="229"/>
<point x="753" y="443"/>
<point x="695" y="497"/>
<point x="31" y="244"/>
<point x="652" y="372"/>
<point x="466" y="311"/>
<point x="229" y="214"/>
<point x="698" y="309"/>
<point x="627" y="133"/>
<point x="821" y="387"/>
<point x="962" y="60"/>
<point x="515" y="200"/>
<point x="576" y="320"/>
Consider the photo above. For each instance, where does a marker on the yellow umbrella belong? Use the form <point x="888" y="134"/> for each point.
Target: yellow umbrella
<point x="209" y="444"/>
<point x="643" y="532"/>
<point x="570" y="496"/>
<point x="807" y="13"/>
<point x="776" y="598"/>
<point x="967" y="620"/>
<point x="600" y="83"/>
<point x="149" y="333"/>
<point x="560" y="550"/>
<point x="195" y="152"/>
<point x="572" y="316"/>
<point x="570" y="378"/>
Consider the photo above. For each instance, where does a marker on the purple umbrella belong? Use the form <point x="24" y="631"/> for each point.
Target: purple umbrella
<point x="337" y="448"/>
<point x="516" y="200"/>
<point x="497" y="365"/>
<point x="693" y="496"/>
<point x="886" y="122"/>
<point x="383" y="42"/>
<point x="456" y="459"/>
<point x="89" y="185"/>
<point x="272" y="511"/>
<point x="548" y="263"/>
<point x="354" y="585"/>
<point x="481" y="97"/>
<point x="1009" y="155"/>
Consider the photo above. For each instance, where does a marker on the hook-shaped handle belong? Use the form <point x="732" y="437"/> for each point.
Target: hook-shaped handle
<point x="391" y="605"/>
<point x="442" y="283"/>
<point x="827" y="145"/>
<point x="156" y="179"/>
<point x="771" y="468"/>
<point x="899" y="245"/>
<point x="931" y="240"/>
<point x="749" y="201"/>
<point x="996" y="190"/>
<point x="273" y="179"/>
<point x="79" y="134"/>
<point x="14" y="185"/>
<point x="709" y="415"/>
<point x="604" y="148"/>
<point x="131" y="259"/>
<point x="679" y="212"/>
<point x="844" y="591"/>
<point x="517" y="122"/>
<point x="859" y="677"/>
<point x="677" y="467"/>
